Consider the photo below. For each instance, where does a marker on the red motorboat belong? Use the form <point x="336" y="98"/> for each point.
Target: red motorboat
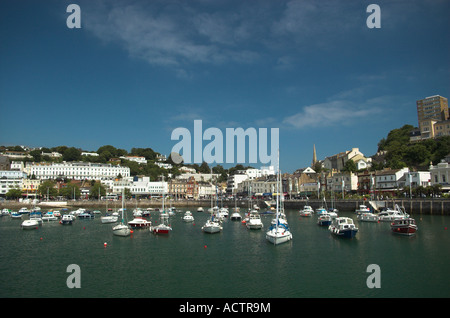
<point x="405" y="226"/>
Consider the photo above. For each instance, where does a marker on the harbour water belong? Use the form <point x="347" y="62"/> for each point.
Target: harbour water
<point x="236" y="263"/>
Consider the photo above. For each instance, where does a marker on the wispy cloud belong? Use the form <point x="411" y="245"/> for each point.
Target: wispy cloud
<point x="332" y="113"/>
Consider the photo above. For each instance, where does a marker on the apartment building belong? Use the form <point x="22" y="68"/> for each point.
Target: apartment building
<point x="76" y="170"/>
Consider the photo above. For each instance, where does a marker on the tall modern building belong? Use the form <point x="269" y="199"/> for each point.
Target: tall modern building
<point x="429" y="111"/>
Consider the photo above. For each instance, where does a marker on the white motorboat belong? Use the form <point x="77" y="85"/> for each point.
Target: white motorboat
<point x="24" y="210"/>
<point x="200" y="209"/>
<point x="343" y="227"/>
<point x="109" y="219"/>
<point x="362" y="209"/>
<point x="29" y="224"/>
<point x="122" y="229"/>
<point x="254" y="221"/>
<point x="236" y="216"/>
<point x="15" y="215"/>
<point x="188" y="217"/>
<point x="306" y="211"/>
<point x="390" y="215"/>
<point x="6" y="212"/>
<point x="368" y="217"/>
<point x="67" y="219"/>
<point x="49" y="216"/>
<point x="139" y="222"/>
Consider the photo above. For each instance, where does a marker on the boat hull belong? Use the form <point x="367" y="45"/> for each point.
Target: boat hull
<point x="29" y="225"/>
<point x="278" y="236"/>
<point x="347" y="233"/>
<point x="211" y="229"/>
<point x="121" y="230"/>
<point x="408" y="230"/>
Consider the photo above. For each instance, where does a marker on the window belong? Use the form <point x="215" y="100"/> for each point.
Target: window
<point x="443" y="178"/>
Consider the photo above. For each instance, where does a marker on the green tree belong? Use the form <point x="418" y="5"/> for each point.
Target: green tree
<point x="350" y="166"/>
<point x="69" y="190"/>
<point x="13" y="193"/>
<point x="96" y="189"/>
<point x="72" y="154"/>
<point x="47" y="187"/>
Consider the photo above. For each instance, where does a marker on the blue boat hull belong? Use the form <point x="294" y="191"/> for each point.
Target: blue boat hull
<point x="347" y="233"/>
<point x="324" y="223"/>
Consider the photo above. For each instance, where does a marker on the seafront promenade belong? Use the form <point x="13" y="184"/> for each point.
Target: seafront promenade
<point x="435" y="206"/>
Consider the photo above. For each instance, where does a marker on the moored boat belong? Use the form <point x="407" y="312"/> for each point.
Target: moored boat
<point x="324" y="220"/>
<point x="122" y="229"/>
<point x="254" y="221"/>
<point x="362" y="209"/>
<point x="368" y="217"/>
<point x="212" y="226"/>
<point x="406" y="226"/>
<point x="139" y="222"/>
<point x="389" y="215"/>
<point x="236" y="216"/>
<point x="343" y="227"/>
<point x="29" y="224"/>
<point x="49" y="216"/>
<point x="188" y="217"/>
<point x="67" y="219"/>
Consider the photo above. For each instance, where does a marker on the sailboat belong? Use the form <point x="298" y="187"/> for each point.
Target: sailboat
<point x="162" y="227"/>
<point x="122" y="229"/>
<point x="213" y="224"/>
<point x="279" y="232"/>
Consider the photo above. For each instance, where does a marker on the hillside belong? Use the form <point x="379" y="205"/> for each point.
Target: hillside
<point x="401" y="153"/>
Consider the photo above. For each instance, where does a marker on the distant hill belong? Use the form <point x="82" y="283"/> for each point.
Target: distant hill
<point x="396" y="151"/>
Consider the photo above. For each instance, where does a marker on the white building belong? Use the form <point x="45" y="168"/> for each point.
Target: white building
<point x="164" y="165"/>
<point x="92" y="154"/>
<point x="390" y="179"/>
<point x="418" y="178"/>
<point x="138" y="159"/>
<point x="141" y="186"/>
<point x="440" y="174"/>
<point x="233" y="182"/>
<point x="76" y="170"/>
<point x="11" y="180"/>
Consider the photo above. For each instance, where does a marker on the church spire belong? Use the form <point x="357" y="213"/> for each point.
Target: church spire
<point x="314" y="157"/>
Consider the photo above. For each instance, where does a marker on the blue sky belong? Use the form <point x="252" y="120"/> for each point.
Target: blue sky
<point x="136" y="70"/>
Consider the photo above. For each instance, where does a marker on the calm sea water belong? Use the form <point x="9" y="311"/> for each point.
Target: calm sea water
<point x="235" y="263"/>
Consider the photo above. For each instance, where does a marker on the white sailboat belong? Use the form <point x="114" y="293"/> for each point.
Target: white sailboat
<point x="162" y="227"/>
<point x="122" y="229"/>
<point x="213" y="224"/>
<point x="279" y="232"/>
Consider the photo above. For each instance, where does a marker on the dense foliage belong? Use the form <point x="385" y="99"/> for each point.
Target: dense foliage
<point x="400" y="152"/>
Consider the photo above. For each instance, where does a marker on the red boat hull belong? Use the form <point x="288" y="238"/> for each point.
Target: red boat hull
<point x="404" y="230"/>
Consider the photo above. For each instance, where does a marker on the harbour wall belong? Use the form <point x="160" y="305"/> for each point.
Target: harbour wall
<point x="435" y="206"/>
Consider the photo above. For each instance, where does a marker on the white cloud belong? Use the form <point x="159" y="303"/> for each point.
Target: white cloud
<point x="339" y="112"/>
